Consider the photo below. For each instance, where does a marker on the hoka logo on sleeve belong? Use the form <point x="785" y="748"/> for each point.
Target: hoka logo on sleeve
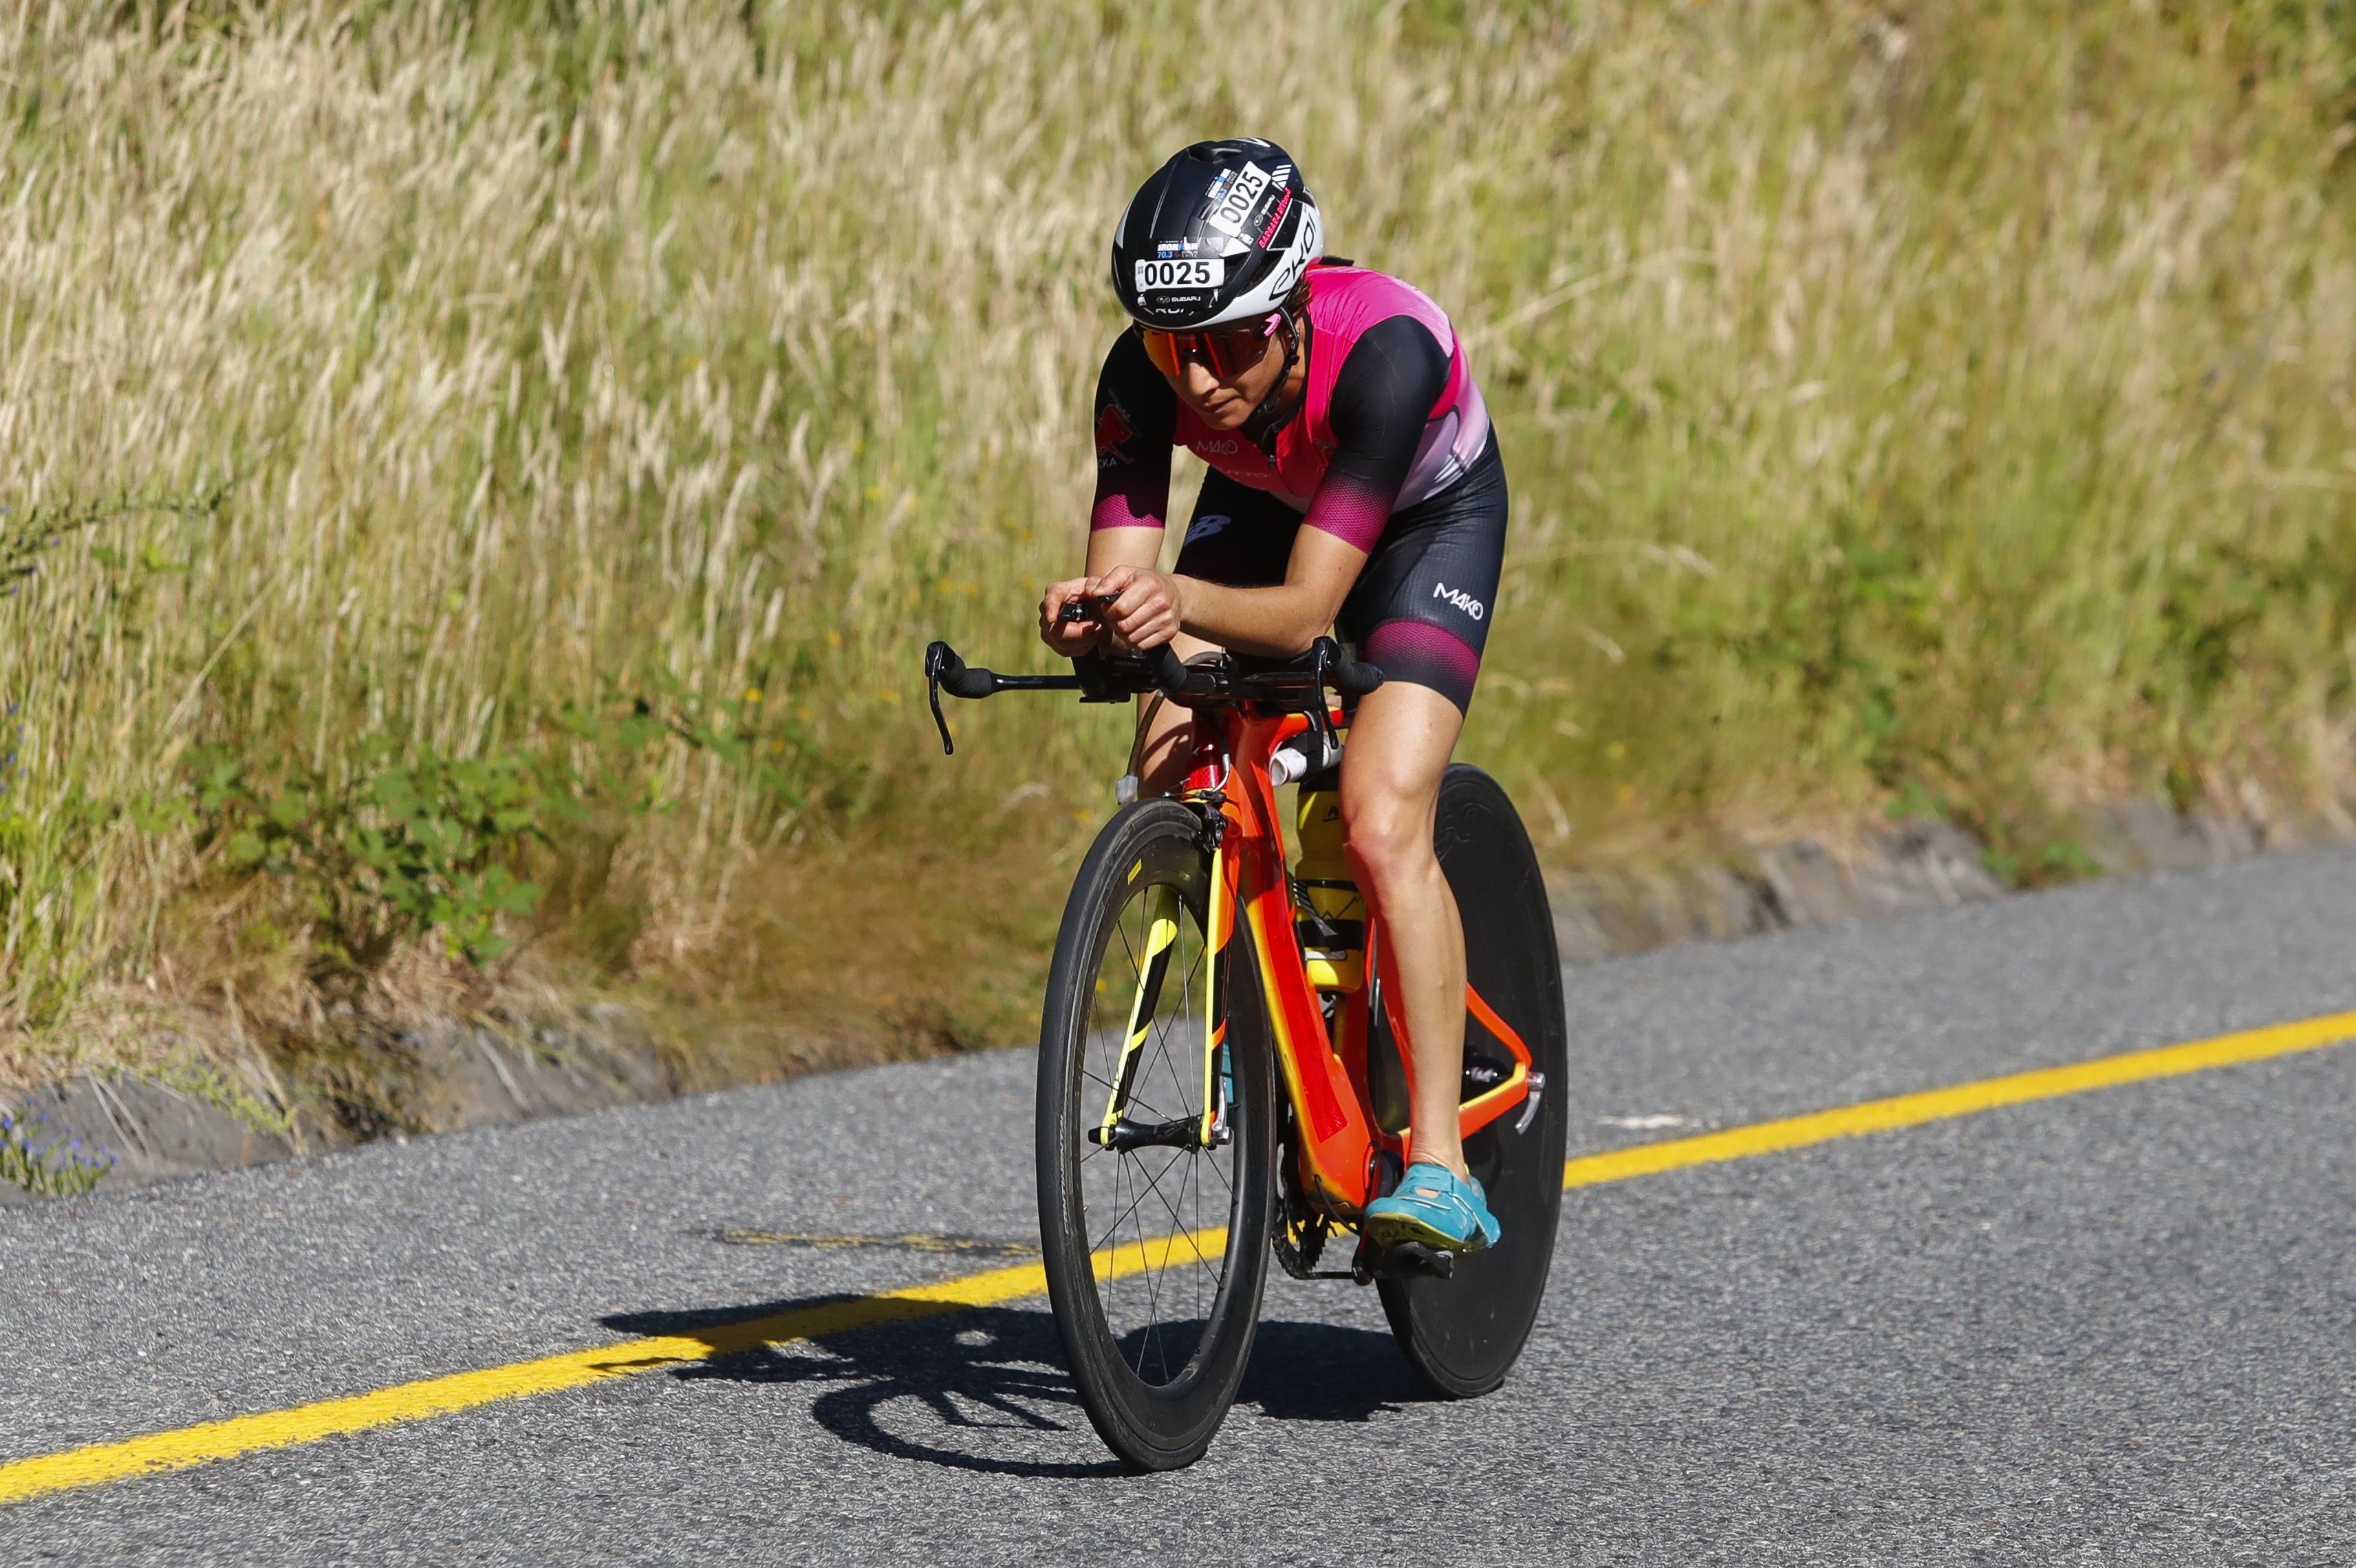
<point x="1113" y="431"/>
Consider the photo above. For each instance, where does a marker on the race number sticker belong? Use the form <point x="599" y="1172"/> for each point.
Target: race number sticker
<point x="1233" y="205"/>
<point x="1181" y="272"/>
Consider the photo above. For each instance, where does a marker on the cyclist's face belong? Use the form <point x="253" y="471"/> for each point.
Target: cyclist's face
<point x="1225" y="402"/>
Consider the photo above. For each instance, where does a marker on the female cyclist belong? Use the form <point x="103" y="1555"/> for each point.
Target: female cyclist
<point x="1354" y="483"/>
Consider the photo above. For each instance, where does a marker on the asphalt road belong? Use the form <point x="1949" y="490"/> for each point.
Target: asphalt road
<point x="2118" y="1326"/>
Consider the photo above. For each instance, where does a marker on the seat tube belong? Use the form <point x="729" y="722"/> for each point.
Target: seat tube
<point x="1217" y="924"/>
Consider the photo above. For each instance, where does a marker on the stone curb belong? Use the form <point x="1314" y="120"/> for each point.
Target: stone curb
<point x="1909" y="867"/>
<point x="452" y="1076"/>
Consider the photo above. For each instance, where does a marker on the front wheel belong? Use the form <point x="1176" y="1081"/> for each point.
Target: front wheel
<point x="1465" y="1333"/>
<point x="1155" y="1238"/>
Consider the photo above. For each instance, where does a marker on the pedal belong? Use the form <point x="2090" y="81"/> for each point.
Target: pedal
<point x="1407" y="1260"/>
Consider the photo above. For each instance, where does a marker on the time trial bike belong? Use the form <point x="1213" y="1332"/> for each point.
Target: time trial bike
<point x="1220" y="1078"/>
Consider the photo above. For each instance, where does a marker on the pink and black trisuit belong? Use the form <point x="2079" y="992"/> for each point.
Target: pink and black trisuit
<point x="1388" y="450"/>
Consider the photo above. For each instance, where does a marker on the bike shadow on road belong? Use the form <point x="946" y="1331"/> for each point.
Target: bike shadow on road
<point x="985" y="1388"/>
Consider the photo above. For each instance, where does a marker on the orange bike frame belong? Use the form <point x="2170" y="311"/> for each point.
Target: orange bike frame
<point x="1339" y="1140"/>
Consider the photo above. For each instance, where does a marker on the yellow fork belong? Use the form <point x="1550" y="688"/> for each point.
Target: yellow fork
<point x="1160" y="936"/>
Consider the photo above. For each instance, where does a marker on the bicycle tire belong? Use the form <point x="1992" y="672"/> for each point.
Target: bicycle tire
<point x="1465" y="1333"/>
<point x="1157" y="1390"/>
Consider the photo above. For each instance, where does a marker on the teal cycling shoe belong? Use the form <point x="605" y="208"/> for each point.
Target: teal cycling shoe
<point x="1434" y="1206"/>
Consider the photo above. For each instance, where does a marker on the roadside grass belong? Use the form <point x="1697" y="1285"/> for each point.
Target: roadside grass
<point x="1944" y="413"/>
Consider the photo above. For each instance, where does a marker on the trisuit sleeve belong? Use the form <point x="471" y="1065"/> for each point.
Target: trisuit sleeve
<point x="1383" y="399"/>
<point x="1137" y="418"/>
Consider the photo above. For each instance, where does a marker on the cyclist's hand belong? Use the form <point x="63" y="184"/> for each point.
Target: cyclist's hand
<point x="1069" y="638"/>
<point x="1146" y="611"/>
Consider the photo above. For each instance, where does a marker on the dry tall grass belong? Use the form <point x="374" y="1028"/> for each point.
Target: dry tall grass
<point x="1953" y="411"/>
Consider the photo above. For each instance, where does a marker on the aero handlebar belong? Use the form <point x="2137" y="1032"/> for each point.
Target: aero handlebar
<point x="1284" y="685"/>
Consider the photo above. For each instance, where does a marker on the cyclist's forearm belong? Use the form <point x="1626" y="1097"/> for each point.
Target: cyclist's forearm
<point x="1108" y="547"/>
<point x="1283" y="619"/>
<point x="1279" y="621"/>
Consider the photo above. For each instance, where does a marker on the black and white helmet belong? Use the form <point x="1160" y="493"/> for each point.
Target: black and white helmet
<point x="1221" y="233"/>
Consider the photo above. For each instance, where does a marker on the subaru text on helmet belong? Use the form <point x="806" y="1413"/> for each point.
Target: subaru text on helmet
<point x="1223" y="232"/>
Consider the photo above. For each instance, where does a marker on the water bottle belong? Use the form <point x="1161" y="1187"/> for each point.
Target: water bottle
<point x="1332" y="925"/>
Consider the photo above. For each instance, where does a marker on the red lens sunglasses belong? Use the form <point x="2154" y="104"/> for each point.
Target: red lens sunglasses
<point x="1227" y="351"/>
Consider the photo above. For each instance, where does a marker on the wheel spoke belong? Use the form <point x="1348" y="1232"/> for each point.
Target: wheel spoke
<point x="1112" y="1235"/>
<point x="1153" y="1290"/>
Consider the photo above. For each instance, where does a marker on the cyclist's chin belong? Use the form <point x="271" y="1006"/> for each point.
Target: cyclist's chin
<point x="1222" y="409"/>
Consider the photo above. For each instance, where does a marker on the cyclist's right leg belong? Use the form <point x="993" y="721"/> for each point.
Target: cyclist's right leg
<point x="1241" y="537"/>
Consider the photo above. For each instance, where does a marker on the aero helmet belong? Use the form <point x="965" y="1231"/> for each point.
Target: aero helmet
<point x="1223" y="232"/>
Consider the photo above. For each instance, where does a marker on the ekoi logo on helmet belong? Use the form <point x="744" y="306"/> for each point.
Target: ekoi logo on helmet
<point x="1113" y="431"/>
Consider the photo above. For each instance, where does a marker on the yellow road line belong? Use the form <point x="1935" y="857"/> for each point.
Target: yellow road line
<point x="215" y="1440"/>
<point x="1960" y="1100"/>
<point x="212" y="1440"/>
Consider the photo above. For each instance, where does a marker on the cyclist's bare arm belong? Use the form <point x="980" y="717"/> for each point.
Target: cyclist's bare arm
<point x="1151" y="608"/>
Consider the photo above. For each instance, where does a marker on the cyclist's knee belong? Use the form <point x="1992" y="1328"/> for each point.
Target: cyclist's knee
<point x="1390" y="836"/>
<point x="1387" y="799"/>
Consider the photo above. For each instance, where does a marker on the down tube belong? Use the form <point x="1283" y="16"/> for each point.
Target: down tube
<point x="1332" y="1133"/>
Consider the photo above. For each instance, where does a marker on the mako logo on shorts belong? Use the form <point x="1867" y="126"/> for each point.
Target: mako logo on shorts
<point x="1459" y="598"/>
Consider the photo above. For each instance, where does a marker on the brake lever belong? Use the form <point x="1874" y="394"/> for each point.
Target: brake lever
<point x="1323" y="654"/>
<point x="936" y="656"/>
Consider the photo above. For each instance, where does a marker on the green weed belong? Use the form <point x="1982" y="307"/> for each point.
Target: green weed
<point x="403" y="849"/>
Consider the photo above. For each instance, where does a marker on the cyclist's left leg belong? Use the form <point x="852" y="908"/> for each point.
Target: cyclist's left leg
<point x="1399" y="745"/>
<point x="1421" y="611"/>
